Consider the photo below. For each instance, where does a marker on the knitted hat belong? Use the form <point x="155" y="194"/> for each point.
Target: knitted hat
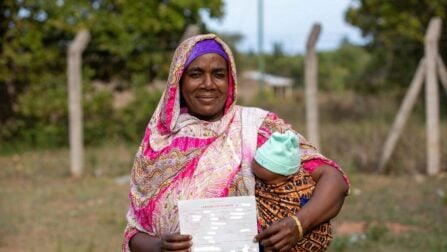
<point x="204" y="47"/>
<point x="280" y="154"/>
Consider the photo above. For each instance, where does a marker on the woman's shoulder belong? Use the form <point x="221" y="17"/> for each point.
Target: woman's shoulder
<point x="252" y="116"/>
<point x="252" y="110"/>
<point x="267" y="116"/>
<point x="273" y="123"/>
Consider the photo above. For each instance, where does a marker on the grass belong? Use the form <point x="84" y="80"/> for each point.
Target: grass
<point x="399" y="213"/>
<point x="43" y="209"/>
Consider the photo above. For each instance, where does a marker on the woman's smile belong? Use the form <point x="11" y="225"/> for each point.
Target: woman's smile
<point x="207" y="98"/>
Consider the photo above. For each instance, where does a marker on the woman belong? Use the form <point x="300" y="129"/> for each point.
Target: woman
<point x="199" y="144"/>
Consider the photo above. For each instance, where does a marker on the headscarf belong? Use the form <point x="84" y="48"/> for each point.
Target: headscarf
<point x="169" y="108"/>
<point x="203" y="47"/>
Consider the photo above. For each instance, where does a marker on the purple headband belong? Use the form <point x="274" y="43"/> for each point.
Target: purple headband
<point x="204" y="47"/>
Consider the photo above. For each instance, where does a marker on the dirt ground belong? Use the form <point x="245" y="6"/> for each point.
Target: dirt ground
<point x="43" y="209"/>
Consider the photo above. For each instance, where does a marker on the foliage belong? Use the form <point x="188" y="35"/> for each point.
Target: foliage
<point x="343" y="68"/>
<point x="288" y="66"/>
<point x="131" y="44"/>
<point x="47" y="126"/>
<point x="395" y="30"/>
<point x="134" y="117"/>
<point x="276" y="63"/>
<point x="340" y="69"/>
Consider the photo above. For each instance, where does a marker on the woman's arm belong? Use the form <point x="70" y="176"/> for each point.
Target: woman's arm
<point x="325" y="203"/>
<point x="142" y="242"/>
<point x="327" y="198"/>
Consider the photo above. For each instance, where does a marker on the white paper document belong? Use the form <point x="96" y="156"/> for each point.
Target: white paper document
<point x="220" y="224"/>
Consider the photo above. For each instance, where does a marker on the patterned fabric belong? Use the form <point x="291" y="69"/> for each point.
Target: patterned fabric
<point x="182" y="157"/>
<point x="275" y="202"/>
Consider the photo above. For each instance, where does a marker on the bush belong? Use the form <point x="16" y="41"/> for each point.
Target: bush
<point x="98" y="117"/>
<point x="43" y="120"/>
<point x="131" y="121"/>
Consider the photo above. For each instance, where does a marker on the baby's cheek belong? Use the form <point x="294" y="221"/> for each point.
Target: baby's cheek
<point x="261" y="173"/>
<point x="254" y="168"/>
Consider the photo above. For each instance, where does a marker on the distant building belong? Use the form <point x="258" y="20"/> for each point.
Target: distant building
<point x="282" y="86"/>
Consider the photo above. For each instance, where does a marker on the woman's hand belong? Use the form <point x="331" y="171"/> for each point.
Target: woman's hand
<point x="175" y="242"/>
<point x="280" y="236"/>
<point x="168" y="242"/>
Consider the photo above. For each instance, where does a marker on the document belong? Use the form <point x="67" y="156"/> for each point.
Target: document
<point x="220" y="224"/>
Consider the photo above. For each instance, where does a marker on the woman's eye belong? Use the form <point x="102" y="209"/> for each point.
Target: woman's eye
<point x="219" y="75"/>
<point x="194" y="75"/>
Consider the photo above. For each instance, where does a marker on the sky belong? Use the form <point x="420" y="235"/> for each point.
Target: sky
<point x="287" y="22"/>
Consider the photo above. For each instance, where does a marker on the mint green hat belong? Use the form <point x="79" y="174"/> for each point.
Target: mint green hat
<point x="280" y="154"/>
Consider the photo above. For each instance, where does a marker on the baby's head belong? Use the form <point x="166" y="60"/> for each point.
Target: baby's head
<point x="277" y="158"/>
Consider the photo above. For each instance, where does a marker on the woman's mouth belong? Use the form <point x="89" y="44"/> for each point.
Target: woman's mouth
<point x="206" y="98"/>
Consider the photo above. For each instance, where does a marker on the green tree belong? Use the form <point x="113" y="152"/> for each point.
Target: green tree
<point x="131" y="44"/>
<point x="395" y="30"/>
<point x="344" y="67"/>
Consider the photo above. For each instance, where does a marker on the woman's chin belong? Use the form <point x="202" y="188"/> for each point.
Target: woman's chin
<point x="208" y="114"/>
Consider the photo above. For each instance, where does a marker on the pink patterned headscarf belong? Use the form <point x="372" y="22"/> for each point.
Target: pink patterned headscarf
<point x="177" y="157"/>
<point x="171" y="96"/>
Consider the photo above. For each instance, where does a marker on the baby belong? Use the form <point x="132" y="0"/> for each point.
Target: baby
<point x="282" y="188"/>
<point x="277" y="159"/>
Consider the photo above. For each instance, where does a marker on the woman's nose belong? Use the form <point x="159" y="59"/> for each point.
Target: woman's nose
<point x="209" y="82"/>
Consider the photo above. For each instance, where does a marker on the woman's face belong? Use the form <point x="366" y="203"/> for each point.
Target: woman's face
<point x="205" y="86"/>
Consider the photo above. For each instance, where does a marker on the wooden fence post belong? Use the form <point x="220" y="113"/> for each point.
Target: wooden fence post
<point x="432" y="96"/>
<point x="402" y="116"/>
<point x="311" y="86"/>
<point x="74" y="71"/>
<point x="428" y="68"/>
<point x="442" y="72"/>
<point x="191" y="30"/>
